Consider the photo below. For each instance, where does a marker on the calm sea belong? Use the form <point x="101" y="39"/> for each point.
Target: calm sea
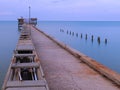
<point x="107" y="54"/>
<point x="8" y="39"/>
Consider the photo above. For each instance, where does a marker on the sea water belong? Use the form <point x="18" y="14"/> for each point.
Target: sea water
<point x="106" y="53"/>
<point x="8" y="38"/>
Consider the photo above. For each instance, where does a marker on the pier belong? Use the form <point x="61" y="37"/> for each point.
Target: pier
<point x="68" y="69"/>
<point x="52" y="65"/>
<point x="25" y="71"/>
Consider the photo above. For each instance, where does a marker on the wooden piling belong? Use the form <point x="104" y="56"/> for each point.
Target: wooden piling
<point x="86" y="36"/>
<point x="76" y="34"/>
<point x="105" y="41"/>
<point x="98" y="40"/>
<point x="70" y="32"/>
<point x="92" y="37"/>
<point x="81" y="35"/>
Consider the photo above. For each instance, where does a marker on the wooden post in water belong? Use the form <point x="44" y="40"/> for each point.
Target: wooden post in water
<point x="105" y="41"/>
<point x="98" y="40"/>
<point x="70" y="32"/>
<point x="92" y="37"/>
<point x="81" y="35"/>
<point x="77" y="34"/>
<point x="86" y="36"/>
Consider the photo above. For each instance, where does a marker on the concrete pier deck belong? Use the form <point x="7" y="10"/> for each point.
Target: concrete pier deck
<point x="63" y="71"/>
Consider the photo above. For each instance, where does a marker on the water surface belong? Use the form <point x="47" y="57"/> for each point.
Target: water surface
<point x="8" y="39"/>
<point x="107" y="54"/>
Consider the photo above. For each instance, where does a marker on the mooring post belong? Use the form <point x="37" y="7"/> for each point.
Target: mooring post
<point x="105" y="40"/>
<point x="77" y="34"/>
<point x="98" y="40"/>
<point x="81" y="35"/>
<point x="86" y="36"/>
<point x="70" y="32"/>
<point x="92" y="37"/>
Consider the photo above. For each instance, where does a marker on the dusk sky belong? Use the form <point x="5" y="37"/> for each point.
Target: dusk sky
<point x="67" y="10"/>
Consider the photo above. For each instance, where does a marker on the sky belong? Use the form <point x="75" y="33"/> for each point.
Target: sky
<point x="61" y="10"/>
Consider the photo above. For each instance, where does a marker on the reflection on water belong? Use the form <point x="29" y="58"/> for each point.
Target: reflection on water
<point x="8" y="38"/>
<point x="99" y="40"/>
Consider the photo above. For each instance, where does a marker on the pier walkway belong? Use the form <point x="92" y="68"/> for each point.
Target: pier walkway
<point x="63" y="71"/>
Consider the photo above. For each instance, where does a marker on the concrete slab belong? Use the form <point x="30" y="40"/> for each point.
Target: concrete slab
<point x="63" y="71"/>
